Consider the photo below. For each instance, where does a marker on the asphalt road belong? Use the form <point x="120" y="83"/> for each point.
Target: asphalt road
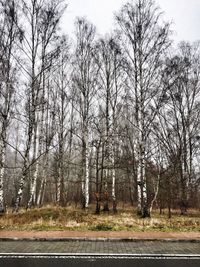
<point x="97" y="261"/>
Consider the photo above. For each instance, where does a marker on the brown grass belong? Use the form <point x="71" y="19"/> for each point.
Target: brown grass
<point x="57" y="218"/>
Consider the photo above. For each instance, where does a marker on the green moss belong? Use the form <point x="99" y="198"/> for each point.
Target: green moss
<point x="101" y="227"/>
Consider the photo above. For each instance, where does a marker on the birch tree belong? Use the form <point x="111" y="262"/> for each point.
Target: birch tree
<point x="8" y="37"/>
<point x="49" y="20"/>
<point x="85" y="81"/>
<point x="145" y="40"/>
<point x="179" y="120"/>
<point x="42" y="22"/>
<point x="109" y="61"/>
<point x="61" y="81"/>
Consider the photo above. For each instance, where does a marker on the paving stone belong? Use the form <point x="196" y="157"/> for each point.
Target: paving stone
<point x="143" y="247"/>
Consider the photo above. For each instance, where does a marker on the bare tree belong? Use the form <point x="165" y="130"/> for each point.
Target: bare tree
<point x="61" y="81"/>
<point x="179" y="119"/>
<point x="85" y="76"/>
<point x="109" y="61"/>
<point x="8" y="36"/>
<point x="145" y="40"/>
<point x="42" y="21"/>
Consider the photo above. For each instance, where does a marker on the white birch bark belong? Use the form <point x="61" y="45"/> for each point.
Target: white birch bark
<point x="25" y="164"/>
<point x="32" y="198"/>
<point x="85" y="155"/>
<point x="156" y="189"/>
<point x="45" y="174"/>
<point x="47" y="123"/>
<point x="42" y="185"/>
<point x="83" y="189"/>
<point x="86" y="173"/>
<point x="2" y="171"/>
<point x="113" y="182"/>
<point x="25" y="167"/>
<point x="112" y="155"/>
<point x="141" y="179"/>
<point x="156" y="183"/>
<point x="21" y="186"/>
<point x="145" y="42"/>
<point x="58" y="187"/>
<point x="85" y="81"/>
<point x="6" y="84"/>
<point x="39" y="197"/>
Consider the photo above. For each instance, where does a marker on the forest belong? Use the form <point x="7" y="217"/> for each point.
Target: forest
<point x="97" y="120"/>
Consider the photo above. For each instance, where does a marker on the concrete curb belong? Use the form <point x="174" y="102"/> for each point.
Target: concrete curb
<point x="99" y="255"/>
<point x="99" y="239"/>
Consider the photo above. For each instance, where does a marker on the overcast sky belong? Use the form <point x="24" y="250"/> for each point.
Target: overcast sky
<point x="185" y="15"/>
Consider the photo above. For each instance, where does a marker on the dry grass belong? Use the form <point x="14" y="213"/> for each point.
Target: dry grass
<point x="57" y="218"/>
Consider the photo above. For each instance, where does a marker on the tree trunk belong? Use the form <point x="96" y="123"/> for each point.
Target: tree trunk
<point x="113" y="186"/>
<point x="37" y="151"/>
<point x="2" y="171"/>
<point x="86" y="173"/>
<point x="24" y="170"/>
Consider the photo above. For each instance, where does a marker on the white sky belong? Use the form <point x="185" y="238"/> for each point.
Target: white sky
<point x="185" y="15"/>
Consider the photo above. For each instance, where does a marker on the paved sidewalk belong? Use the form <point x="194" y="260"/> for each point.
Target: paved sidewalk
<point x="100" y="247"/>
<point x="96" y="235"/>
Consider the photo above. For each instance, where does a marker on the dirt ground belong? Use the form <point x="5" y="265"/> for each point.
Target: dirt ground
<point x="99" y="234"/>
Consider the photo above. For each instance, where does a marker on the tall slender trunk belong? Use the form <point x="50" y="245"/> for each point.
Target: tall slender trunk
<point x="70" y="151"/>
<point x="37" y="151"/>
<point x="32" y="108"/>
<point x="106" y="194"/>
<point x="143" y="208"/>
<point x="25" y="165"/>
<point x="130" y="179"/>
<point x="108" y="149"/>
<point x="156" y="189"/>
<point x="85" y="168"/>
<point x="113" y="191"/>
<point x="2" y="171"/>
<point x="46" y="129"/>
<point x="86" y="171"/>
<point x="21" y="186"/>
<point x="6" y="108"/>
<point x="184" y="171"/>
<point x="60" y="179"/>
<point x="102" y="169"/>
<point x="39" y="197"/>
<point x="113" y="175"/>
<point x="45" y="172"/>
<point x="97" y="195"/>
